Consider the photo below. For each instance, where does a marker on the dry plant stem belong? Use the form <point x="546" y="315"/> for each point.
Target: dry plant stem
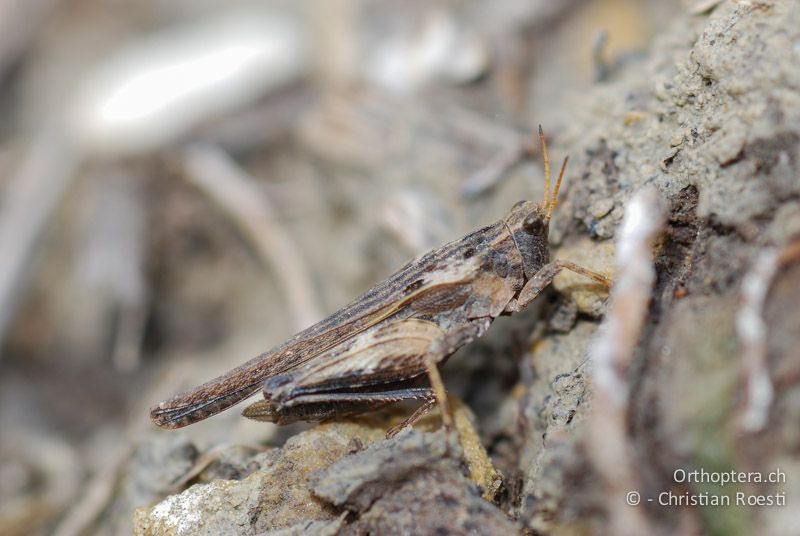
<point x="608" y="444"/>
<point x="29" y="200"/>
<point x="229" y="186"/>
<point x="752" y="330"/>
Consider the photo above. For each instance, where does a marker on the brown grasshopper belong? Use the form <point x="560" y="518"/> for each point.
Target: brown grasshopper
<point x="372" y="351"/>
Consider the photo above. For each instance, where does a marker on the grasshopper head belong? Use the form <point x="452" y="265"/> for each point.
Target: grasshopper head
<point x="529" y="222"/>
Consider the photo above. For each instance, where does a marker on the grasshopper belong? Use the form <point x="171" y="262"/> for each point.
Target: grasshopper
<point x="373" y="351"/>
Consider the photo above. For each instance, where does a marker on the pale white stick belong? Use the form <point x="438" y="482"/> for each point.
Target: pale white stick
<point x="752" y="331"/>
<point x="611" y="353"/>
<point x="751" y="328"/>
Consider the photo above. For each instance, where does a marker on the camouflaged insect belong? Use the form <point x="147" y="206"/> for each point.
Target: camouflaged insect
<point x="377" y="349"/>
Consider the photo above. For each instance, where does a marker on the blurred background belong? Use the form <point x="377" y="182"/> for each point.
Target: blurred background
<point x="184" y="184"/>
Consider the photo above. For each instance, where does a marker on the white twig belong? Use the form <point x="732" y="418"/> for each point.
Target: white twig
<point x="630" y="296"/>
<point x="228" y="185"/>
<point x="752" y="330"/>
<point x="611" y="355"/>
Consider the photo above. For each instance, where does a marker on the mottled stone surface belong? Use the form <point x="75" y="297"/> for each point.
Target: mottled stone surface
<point x="275" y="496"/>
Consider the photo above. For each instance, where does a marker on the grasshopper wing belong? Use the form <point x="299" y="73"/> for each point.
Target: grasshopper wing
<point x="394" y="349"/>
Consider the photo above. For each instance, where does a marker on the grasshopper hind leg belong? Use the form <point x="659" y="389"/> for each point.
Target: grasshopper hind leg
<point x="415" y="417"/>
<point x="327" y="405"/>
<point x="438" y="393"/>
<point x="320" y="406"/>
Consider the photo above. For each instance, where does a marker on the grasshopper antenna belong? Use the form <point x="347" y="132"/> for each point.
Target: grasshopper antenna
<point x="546" y="201"/>
<point x="549" y="202"/>
<point x="555" y="191"/>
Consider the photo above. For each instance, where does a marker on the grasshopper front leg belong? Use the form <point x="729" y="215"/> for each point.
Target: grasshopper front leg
<point x="545" y="276"/>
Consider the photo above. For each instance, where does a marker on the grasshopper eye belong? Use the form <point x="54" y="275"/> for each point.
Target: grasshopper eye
<point x="532" y="224"/>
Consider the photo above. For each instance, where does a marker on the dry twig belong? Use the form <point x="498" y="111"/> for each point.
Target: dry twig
<point x="752" y="330"/>
<point x="229" y="186"/>
<point x="611" y="355"/>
